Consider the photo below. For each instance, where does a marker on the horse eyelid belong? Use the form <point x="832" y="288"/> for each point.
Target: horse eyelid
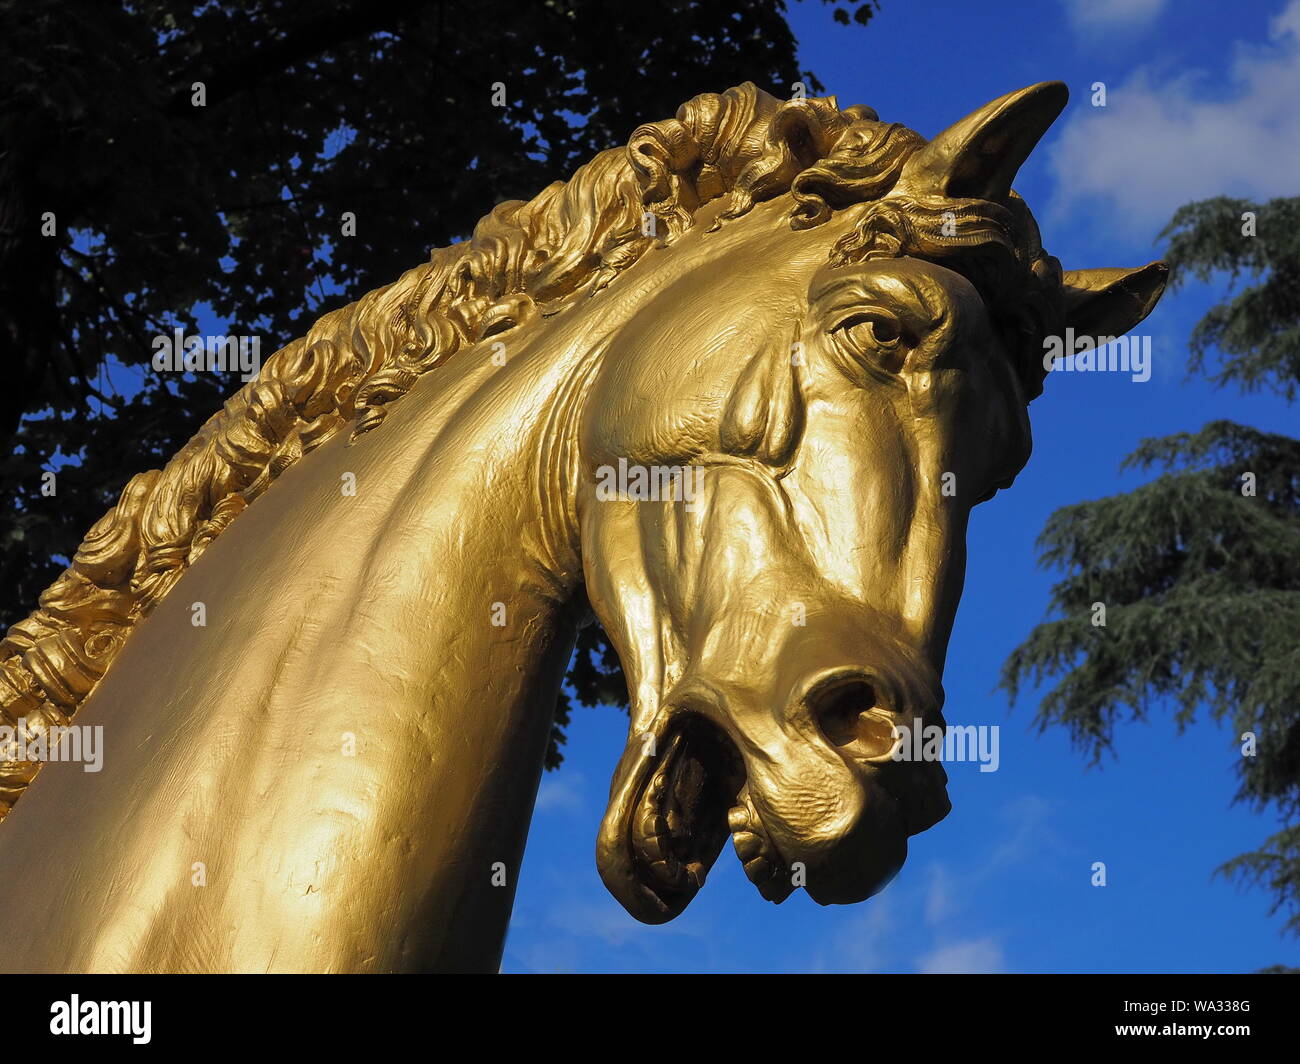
<point x="883" y="347"/>
<point x="858" y="314"/>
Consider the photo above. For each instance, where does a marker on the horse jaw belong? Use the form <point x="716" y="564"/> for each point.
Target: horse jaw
<point x="674" y="794"/>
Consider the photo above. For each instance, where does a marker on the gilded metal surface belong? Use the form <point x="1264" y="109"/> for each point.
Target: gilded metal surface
<point x="735" y="387"/>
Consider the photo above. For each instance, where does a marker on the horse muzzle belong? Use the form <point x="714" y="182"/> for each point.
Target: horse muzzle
<point x="810" y="798"/>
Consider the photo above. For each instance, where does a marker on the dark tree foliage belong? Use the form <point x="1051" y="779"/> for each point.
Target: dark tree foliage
<point x="125" y="209"/>
<point x="1199" y="569"/>
<point x="596" y="677"/>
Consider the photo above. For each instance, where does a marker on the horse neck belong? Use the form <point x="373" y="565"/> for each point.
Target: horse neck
<point x="333" y="615"/>
<point x="485" y="470"/>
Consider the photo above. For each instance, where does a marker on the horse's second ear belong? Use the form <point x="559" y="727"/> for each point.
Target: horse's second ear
<point x="1110" y="302"/>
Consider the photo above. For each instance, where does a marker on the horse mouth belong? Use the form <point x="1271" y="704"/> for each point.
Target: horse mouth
<point x="762" y="861"/>
<point x="669" y="820"/>
<point x="682" y="788"/>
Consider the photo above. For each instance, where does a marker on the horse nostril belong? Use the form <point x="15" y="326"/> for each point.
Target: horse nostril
<point x="851" y="717"/>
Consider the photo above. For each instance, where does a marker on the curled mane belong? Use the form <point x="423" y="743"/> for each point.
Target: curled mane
<point x="525" y="259"/>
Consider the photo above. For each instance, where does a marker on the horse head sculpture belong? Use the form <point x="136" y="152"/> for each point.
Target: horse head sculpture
<point x="800" y="342"/>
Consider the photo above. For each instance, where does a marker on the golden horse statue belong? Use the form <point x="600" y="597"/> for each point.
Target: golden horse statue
<point x="324" y="643"/>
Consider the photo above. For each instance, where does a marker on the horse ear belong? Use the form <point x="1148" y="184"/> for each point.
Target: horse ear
<point x="977" y="158"/>
<point x="1110" y="302"/>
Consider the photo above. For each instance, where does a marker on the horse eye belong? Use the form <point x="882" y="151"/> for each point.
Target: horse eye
<point x="875" y="333"/>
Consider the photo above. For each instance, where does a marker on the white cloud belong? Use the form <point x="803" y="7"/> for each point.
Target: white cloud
<point x="1164" y="141"/>
<point x="861" y="943"/>
<point x="560" y="792"/>
<point x="1028" y="818"/>
<point x="581" y="926"/>
<point x="975" y="956"/>
<point x="1093" y="16"/>
<point x="939" y="900"/>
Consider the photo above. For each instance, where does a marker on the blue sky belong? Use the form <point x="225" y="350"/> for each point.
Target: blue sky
<point x="1201" y="100"/>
